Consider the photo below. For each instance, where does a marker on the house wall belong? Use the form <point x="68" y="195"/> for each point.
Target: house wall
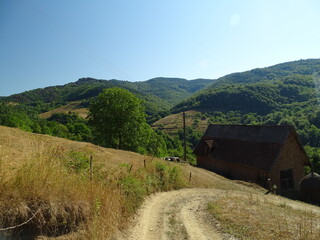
<point x="232" y="169"/>
<point x="290" y="157"/>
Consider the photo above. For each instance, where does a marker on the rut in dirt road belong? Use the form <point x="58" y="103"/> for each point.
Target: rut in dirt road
<point x="176" y="215"/>
<point x="183" y="215"/>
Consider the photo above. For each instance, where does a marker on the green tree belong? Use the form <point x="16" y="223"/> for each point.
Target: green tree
<point x="118" y="119"/>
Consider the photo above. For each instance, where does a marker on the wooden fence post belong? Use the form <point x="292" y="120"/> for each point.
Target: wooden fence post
<point x="190" y="177"/>
<point x="144" y="163"/>
<point x="91" y="168"/>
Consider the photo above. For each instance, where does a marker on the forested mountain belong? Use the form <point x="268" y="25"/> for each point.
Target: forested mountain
<point x="173" y="90"/>
<point x="261" y="97"/>
<point x="159" y="94"/>
<point x="260" y="90"/>
<point x="302" y="67"/>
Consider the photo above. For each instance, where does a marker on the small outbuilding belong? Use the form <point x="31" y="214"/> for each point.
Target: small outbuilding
<point x="266" y="155"/>
<point x="310" y="187"/>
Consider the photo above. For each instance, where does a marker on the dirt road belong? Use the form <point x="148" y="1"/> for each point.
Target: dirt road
<point x="182" y="214"/>
<point x="176" y="215"/>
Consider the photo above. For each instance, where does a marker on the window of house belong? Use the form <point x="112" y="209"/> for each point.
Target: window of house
<point x="286" y="179"/>
<point x="209" y="147"/>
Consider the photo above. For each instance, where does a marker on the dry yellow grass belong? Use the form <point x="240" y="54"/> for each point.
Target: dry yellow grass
<point x="34" y="181"/>
<point x="38" y="182"/>
<point x="73" y="107"/>
<point x="17" y="146"/>
<point x="174" y="122"/>
<point x="255" y="217"/>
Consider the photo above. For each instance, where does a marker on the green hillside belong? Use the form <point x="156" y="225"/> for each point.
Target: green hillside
<point x="159" y="94"/>
<point x="302" y="67"/>
<point x="261" y="90"/>
<point x="173" y="90"/>
<point x="261" y="97"/>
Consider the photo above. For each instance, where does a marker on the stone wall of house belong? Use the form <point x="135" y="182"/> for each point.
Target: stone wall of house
<point x="290" y="157"/>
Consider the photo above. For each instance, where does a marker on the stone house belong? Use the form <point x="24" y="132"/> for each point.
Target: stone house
<point x="254" y="153"/>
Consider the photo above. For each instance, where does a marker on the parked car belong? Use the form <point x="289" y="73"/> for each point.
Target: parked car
<point x="173" y="159"/>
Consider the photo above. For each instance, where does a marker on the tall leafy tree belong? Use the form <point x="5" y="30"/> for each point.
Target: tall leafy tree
<point x="118" y="119"/>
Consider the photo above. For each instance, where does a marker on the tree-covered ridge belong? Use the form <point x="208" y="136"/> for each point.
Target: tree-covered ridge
<point x="262" y="97"/>
<point x="173" y="90"/>
<point x="302" y="67"/>
<point x="160" y="94"/>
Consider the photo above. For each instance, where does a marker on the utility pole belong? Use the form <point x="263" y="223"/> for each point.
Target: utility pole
<point x="184" y="137"/>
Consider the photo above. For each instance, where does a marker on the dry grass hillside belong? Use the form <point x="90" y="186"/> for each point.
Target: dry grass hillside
<point x="18" y="146"/>
<point x="172" y="123"/>
<point x="47" y="179"/>
<point x="46" y="190"/>
<point x="73" y="107"/>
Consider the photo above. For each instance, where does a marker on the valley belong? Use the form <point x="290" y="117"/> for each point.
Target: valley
<point x="283" y="94"/>
<point x="63" y="182"/>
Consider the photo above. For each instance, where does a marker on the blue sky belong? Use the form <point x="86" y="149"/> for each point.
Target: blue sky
<point x="45" y="43"/>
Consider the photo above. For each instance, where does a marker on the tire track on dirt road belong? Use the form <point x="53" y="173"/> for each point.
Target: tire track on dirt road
<point x="183" y="214"/>
<point x="176" y="215"/>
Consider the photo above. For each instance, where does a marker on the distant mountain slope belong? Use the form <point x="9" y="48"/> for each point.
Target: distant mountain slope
<point x="173" y="90"/>
<point x="72" y="107"/>
<point x="260" y="90"/>
<point x="159" y="94"/>
<point x="300" y="67"/>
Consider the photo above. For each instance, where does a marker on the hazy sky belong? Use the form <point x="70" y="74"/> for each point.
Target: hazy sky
<point x="54" y="42"/>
